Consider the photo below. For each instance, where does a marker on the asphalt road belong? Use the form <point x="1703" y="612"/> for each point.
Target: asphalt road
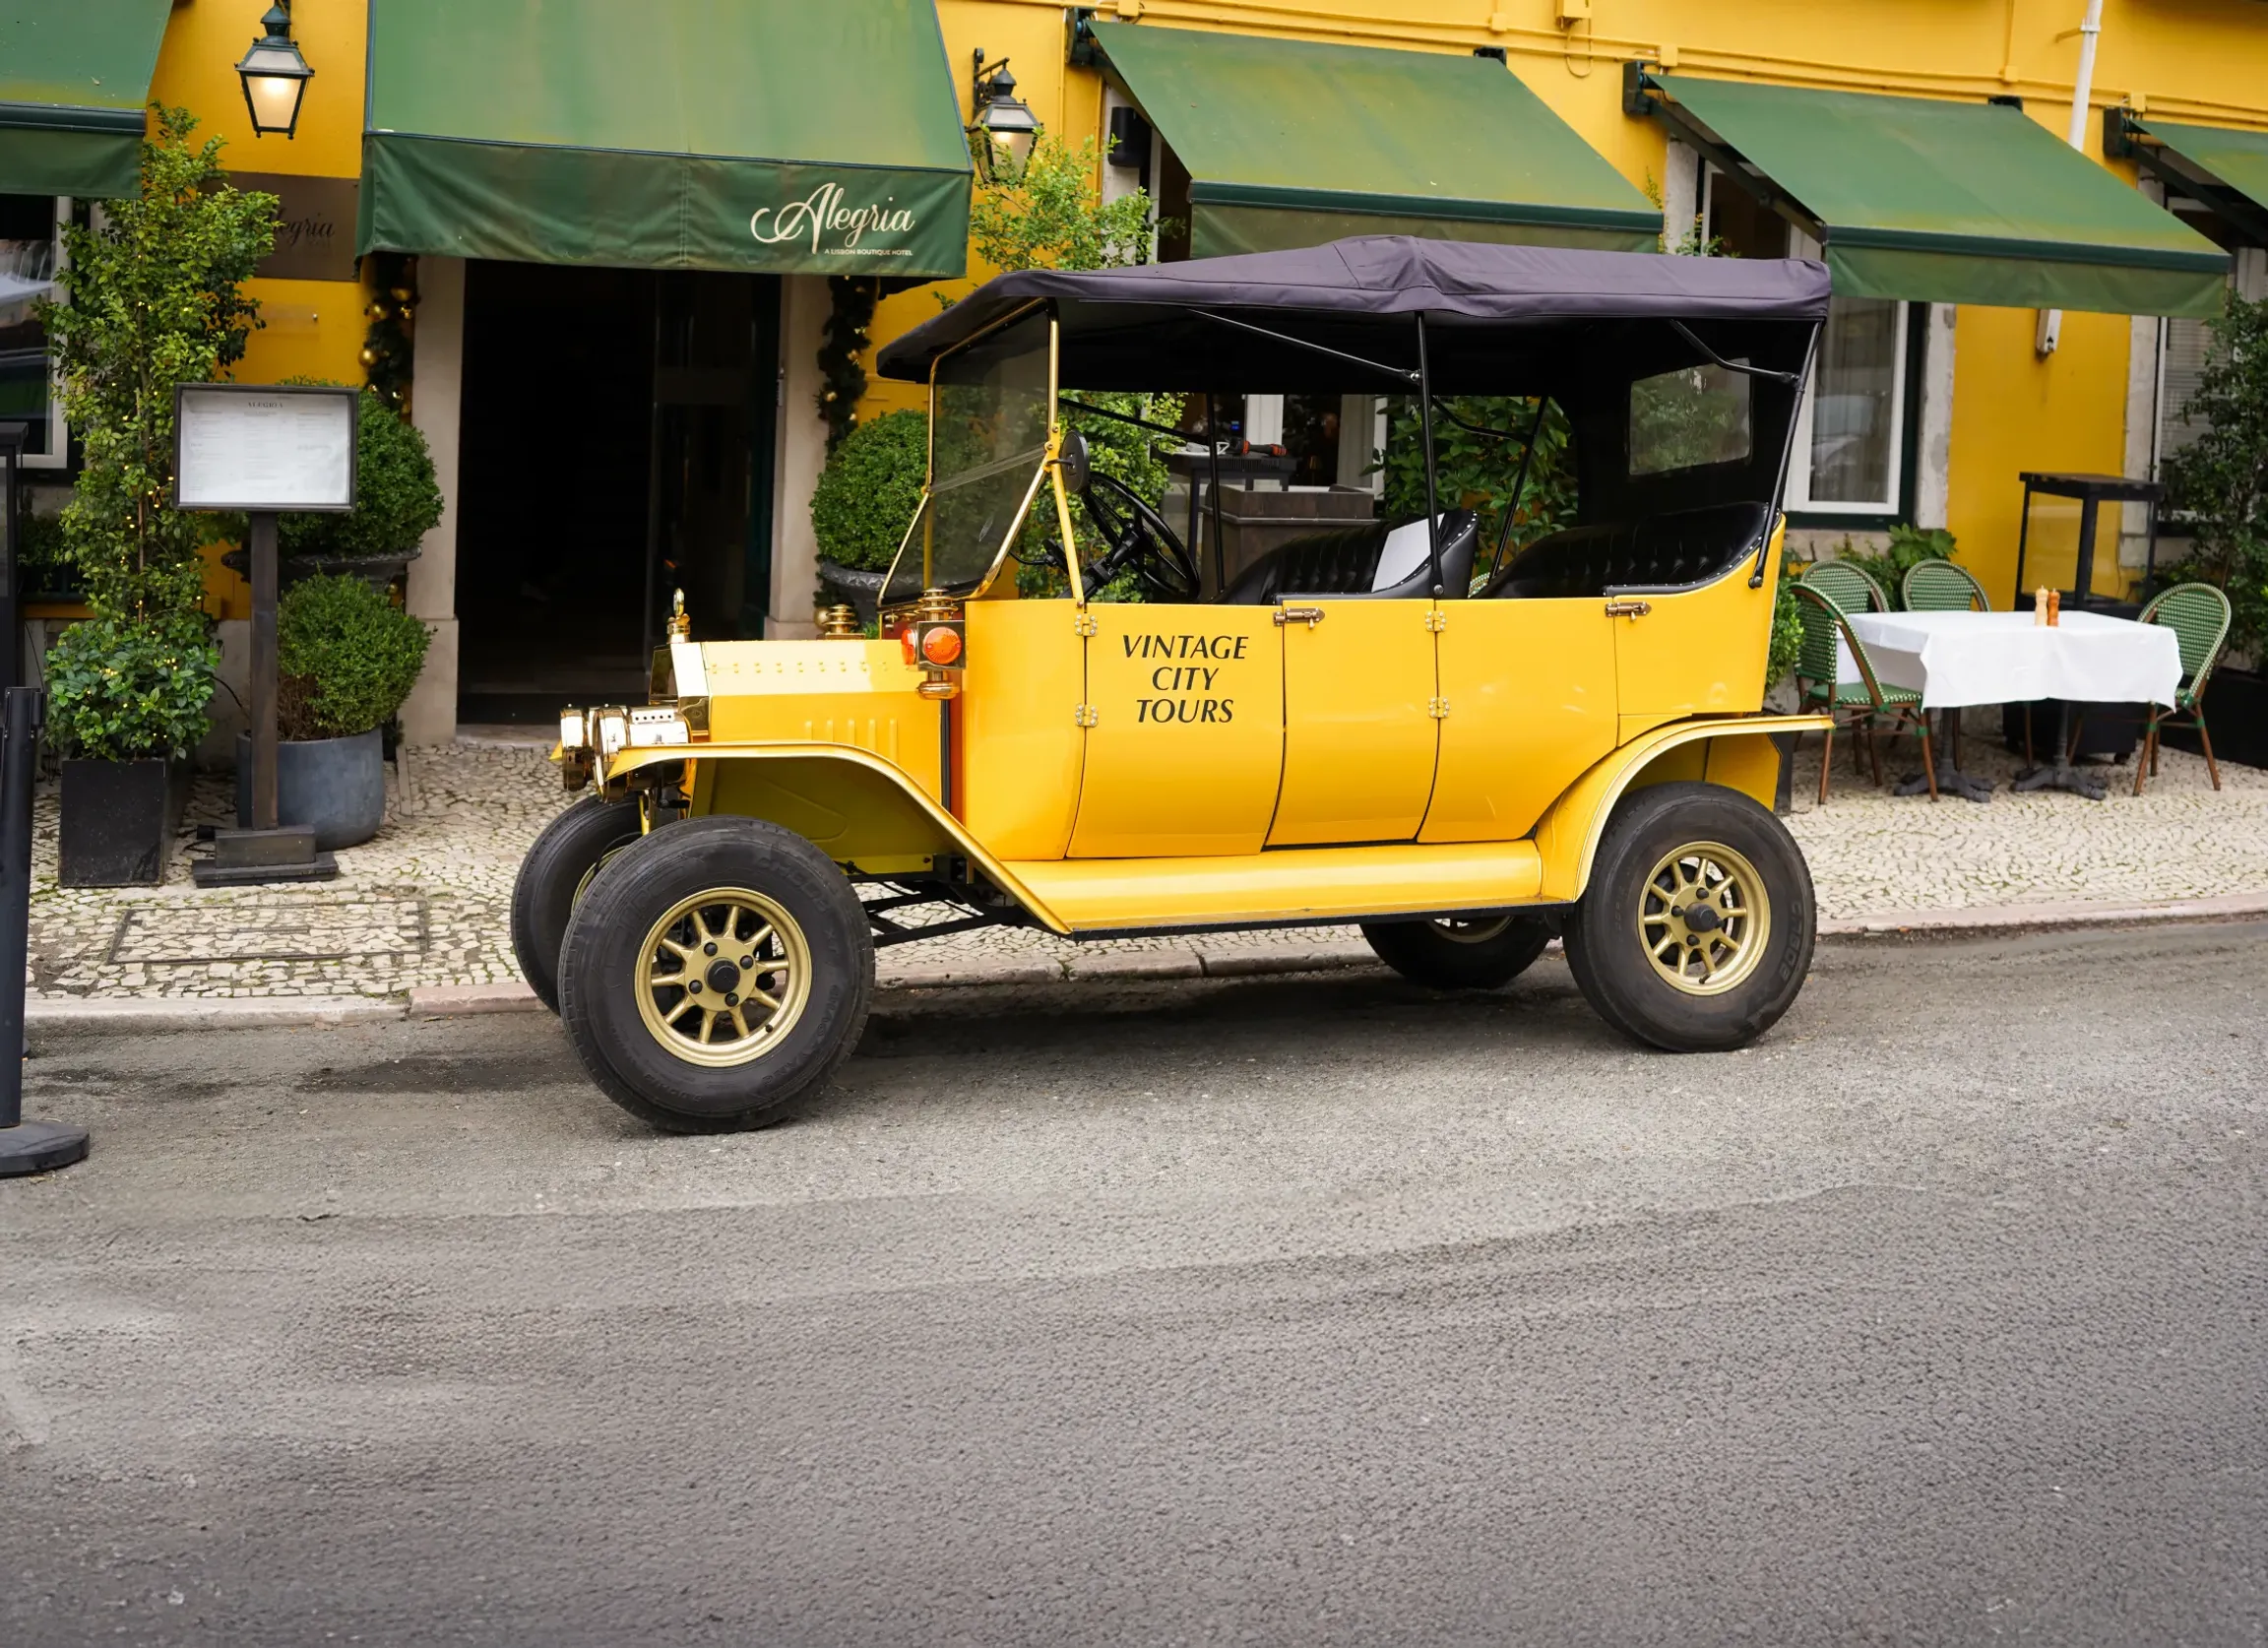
<point x="1294" y="1311"/>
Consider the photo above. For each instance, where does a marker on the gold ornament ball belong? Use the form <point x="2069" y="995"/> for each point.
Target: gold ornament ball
<point x="400" y="295"/>
<point x="378" y="311"/>
<point x="369" y="355"/>
<point x="828" y="396"/>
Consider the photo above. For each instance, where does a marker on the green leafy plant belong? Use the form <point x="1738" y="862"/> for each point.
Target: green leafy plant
<point x="2218" y="480"/>
<point x="43" y="562"/>
<point x="1785" y="649"/>
<point x="118" y="690"/>
<point x="1050" y="215"/>
<point x="869" y="489"/>
<point x="346" y="657"/>
<point x="1910" y="546"/>
<point x="397" y="498"/>
<point x="1477" y="472"/>
<point x="155" y="299"/>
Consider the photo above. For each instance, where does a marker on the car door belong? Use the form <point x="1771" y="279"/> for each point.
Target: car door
<point x="1359" y="728"/>
<point x="1185" y="719"/>
<point x="1527" y="701"/>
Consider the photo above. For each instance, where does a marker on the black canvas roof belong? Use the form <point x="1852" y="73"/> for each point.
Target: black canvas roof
<point x="1137" y="328"/>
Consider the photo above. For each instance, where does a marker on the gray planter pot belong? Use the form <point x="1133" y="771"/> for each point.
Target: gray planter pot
<point x="336" y="785"/>
<point x="861" y="591"/>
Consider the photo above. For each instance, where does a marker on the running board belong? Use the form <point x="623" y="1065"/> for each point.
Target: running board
<point x="1301" y="884"/>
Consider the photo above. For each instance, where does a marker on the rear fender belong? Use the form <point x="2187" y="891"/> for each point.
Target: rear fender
<point x="1739" y="754"/>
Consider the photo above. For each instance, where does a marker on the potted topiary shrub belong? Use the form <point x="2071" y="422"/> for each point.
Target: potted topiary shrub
<point x="346" y="657"/>
<point x="864" y="500"/>
<point x="396" y="502"/>
<point x="125" y="706"/>
<point x="155" y="288"/>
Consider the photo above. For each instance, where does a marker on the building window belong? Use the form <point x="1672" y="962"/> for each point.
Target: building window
<point x="1850" y="436"/>
<point x="30" y="248"/>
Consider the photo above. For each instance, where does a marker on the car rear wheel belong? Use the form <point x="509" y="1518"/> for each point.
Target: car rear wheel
<point x="1456" y="954"/>
<point x="715" y="975"/>
<point x="1695" y="932"/>
<point x="552" y="876"/>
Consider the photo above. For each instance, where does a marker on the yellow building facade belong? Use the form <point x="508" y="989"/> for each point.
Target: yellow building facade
<point x="620" y="399"/>
<point x="1980" y="402"/>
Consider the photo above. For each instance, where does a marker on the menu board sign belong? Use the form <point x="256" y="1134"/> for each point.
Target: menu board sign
<point x="260" y="447"/>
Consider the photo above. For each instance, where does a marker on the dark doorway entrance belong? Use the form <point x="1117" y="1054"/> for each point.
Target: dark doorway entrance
<point x="616" y="447"/>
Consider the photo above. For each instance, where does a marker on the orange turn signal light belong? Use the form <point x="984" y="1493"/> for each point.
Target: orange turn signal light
<point x="905" y="645"/>
<point x="941" y="645"/>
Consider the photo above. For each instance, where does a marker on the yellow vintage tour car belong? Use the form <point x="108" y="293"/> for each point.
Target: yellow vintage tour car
<point x="1395" y="725"/>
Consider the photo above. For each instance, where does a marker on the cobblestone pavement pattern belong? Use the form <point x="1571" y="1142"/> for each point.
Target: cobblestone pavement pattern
<point x="428" y="900"/>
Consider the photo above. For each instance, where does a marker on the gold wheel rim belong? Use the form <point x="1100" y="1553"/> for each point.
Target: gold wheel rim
<point x="1473" y="932"/>
<point x="1704" y="919"/>
<point x="723" y="977"/>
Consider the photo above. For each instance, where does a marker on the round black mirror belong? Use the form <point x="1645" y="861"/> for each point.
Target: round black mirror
<point x="1072" y="459"/>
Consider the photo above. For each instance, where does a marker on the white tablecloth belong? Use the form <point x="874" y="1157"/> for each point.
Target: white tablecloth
<point x="2003" y="658"/>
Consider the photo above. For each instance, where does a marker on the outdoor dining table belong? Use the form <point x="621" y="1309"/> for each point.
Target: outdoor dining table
<point x="1958" y="658"/>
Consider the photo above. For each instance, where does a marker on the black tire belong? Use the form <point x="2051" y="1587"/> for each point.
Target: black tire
<point x="1612" y="952"/>
<point x="551" y="877"/>
<point x="1456" y="955"/>
<point x="783" y="890"/>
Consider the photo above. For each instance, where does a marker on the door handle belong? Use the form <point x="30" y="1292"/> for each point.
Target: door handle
<point x="1308" y="615"/>
<point x="1628" y="609"/>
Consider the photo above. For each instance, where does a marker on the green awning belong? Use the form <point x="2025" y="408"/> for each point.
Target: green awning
<point x="1291" y="143"/>
<point x="2224" y="170"/>
<point x="822" y="136"/>
<point x="73" y="82"/>
<point x="1949" y="202"/>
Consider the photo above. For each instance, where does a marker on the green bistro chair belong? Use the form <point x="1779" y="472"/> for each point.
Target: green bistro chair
<point x="1851" y="588"/>
<point x="1942" y="587"/>
<point x="2198" y="616"/>
<point x="1938" y="586"/>
<point x="1866" y="702"/>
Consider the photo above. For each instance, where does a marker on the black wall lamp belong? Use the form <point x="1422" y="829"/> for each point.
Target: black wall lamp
<point x="1004" y="128"/>
<point x="275" y="75"/>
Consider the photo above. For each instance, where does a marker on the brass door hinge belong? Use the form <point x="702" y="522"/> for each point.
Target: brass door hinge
<point x="1308" y="615"/>
<point x="1437" y="708"/>
<point x="1084" y="623"/>
<point x="1628" y="609"/>
<point x="1436" y="620"/>
<point x="1084" y="715"/>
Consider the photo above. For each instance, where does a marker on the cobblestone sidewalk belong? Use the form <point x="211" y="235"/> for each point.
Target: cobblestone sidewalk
<point x="426" y="903"/>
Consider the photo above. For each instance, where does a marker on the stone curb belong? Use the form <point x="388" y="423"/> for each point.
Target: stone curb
<point x="1194" y="961"/>
<point x="110" y="1015"/>
<point x="2021" y="918"/>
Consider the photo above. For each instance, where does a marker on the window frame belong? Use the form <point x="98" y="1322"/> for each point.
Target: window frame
<point x="59" y="455"/>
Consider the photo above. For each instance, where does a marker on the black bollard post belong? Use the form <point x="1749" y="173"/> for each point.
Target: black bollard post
<point x="26" y="1146"/>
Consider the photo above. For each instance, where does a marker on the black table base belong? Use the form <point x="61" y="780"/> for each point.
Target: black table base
<point x="2057" y="772"/>
<point x="1951" y="780"/>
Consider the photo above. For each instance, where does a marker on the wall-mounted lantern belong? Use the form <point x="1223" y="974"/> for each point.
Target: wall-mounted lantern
<point x="275" y="75"/>
<point x="1003" y="129"/>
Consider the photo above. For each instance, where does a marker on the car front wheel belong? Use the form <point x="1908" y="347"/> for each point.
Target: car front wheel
<point x="1696" y="929"/>
<point x="716" y="974"/>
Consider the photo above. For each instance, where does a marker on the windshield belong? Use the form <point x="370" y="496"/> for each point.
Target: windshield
<point x="990" y="412"/>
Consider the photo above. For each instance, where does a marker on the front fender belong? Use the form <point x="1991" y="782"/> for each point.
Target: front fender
<point x="854" y="807"/>
<point x="1735" y="752"/>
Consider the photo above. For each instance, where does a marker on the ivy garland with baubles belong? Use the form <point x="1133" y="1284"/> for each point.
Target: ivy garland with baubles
<point x="388" y="356"/>
<point x="842" y="380"/>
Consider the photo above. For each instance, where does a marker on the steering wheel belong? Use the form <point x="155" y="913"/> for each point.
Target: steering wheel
<point x="1137" y="537"/>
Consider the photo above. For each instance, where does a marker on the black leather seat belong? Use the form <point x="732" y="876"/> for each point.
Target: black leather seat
<point x="1344" y="564"/>
<point x="1677" y="550"/>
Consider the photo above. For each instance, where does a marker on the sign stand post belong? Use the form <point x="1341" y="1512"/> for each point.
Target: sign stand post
<point x="26" y="1146"/>
<point x="264" y="449"/>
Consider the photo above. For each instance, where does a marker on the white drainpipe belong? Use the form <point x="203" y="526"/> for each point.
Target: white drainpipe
<point x="2082" y="97"/>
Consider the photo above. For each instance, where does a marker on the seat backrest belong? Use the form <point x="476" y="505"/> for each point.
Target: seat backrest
<point x="1363" y="562"/>
<point x="2198" y="616"/>
<point x="1675" y="550"/>
<point x="1851" y="588"/>
<point x="1823" y="624"/>
<point x="1937" y="586"/>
